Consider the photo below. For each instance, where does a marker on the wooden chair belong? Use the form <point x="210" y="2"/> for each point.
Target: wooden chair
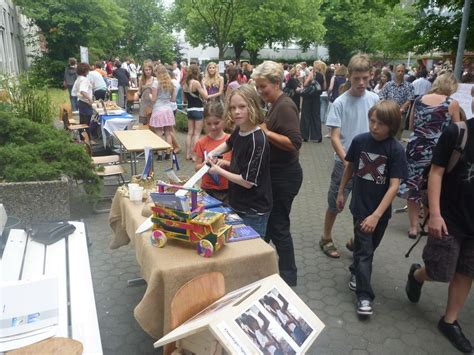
<point x="107" y="166"/>
<point x="75" y="129"/>
<point x="66" y="106"/>
<point x="192" y="298"/>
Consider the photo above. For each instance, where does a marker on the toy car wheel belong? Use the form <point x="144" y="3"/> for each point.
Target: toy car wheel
<point x="158" y="239"/>
<point x="205" y="248"/>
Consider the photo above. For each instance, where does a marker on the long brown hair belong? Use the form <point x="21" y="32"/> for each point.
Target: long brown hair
<point x="146" y="64"/>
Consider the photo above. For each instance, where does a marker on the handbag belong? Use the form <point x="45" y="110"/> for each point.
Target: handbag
<point x="313" y="89"/>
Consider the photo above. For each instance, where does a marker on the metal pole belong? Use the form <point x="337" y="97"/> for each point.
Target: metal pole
<point x="462" y="39"/>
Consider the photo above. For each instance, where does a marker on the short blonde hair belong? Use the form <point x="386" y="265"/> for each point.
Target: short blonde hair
<point x="445" y="84"/>
<point x="270" y="70"/>
<point x="250" y="96"/>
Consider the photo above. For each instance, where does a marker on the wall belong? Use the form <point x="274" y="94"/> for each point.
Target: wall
<point x="13" y="28"/>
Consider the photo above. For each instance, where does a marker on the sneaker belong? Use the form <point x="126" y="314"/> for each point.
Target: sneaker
<point x="455" y="335"/>
<point x="364" y="308"/>
<point x="352" y="283"/>
<point x="413" y="287"/>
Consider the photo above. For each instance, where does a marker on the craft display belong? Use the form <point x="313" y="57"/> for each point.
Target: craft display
<point x="183" y="218"/>
<point x="266" y="317"/>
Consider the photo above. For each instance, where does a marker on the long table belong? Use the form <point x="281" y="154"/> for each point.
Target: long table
<point x="136" y="141"/>
<point x="68" y="259"/>
<point x="112" y="123"/>
<point x="166" y="269"/>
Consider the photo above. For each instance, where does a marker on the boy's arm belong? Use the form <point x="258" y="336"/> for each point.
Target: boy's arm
<point x="436" y="225"/>
<point x="369" y="223"/>
<point x="348" y="171"/>
<point x="337" y="145"/>
<point x="235" y="178"/>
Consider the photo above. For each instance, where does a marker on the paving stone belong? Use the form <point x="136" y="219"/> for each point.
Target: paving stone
<point x="397" y="326"/>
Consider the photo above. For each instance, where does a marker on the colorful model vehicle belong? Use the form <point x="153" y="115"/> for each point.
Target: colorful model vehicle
<point x="174" y="218"/>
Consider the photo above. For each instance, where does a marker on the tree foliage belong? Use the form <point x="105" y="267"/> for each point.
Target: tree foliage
<point x="68" y="24"/>
<point x="439" y="26"/>
<point x="370" y="26"/>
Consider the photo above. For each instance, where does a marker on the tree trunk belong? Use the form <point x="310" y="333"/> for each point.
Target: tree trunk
<point x="253" y="56"/>
<point x="221" y="52"/>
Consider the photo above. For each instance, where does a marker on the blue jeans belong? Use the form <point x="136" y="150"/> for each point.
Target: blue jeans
<point x="324" y="102"/>
<point x="256" y="221"/>
<point x="364" y="248"/>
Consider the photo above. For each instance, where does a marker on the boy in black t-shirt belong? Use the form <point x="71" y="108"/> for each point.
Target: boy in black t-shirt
<point x="378" y="163"/>
<point x="449" y="251"/>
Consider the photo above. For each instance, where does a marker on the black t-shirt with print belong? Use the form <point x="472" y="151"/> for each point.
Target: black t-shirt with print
<point x="457" y="192"/>
<point x="374" y="163"/>
<point x="251" y="160"/>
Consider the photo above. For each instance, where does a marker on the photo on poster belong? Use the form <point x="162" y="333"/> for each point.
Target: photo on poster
<point x="265" y="335"/>
<point x="287" y="316"/>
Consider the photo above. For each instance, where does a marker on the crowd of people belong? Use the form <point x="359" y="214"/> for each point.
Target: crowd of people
<point x="256" y="120"/>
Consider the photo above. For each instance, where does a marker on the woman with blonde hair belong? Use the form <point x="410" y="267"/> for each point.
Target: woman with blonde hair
<point x="144" y="92"/>
<point x="431" y="114"/>
<point x="163" y="93"/>
<point x="281" y="127"/>
<point x="213" y="82"/>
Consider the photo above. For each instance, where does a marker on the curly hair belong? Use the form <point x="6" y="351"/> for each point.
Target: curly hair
<point x="164" y="79"/>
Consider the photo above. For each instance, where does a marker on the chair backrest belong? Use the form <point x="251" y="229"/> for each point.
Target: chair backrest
<point x="65" y="119"/>
<point x="65" y="106"/>
<point x="193" y="297"/>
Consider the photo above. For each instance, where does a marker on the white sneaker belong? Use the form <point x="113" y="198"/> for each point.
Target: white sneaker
<point x="364" y="308"/>
<point x="352" y="283"/>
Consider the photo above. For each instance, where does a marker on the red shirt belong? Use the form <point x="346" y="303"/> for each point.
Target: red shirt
<point x="208" y="144"/>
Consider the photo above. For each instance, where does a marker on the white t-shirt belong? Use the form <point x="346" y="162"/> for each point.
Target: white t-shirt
<point x="82" y="84"/>
<point x="421" y="86"/>
<point x="97" y="81"/>
<point x="350" y="114"/>
<point x="132" y="70"/>
<point x="177" y="74"/>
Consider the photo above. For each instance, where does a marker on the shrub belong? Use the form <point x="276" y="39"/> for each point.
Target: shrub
<point x="31" y="151"/>
<point x="27" y="100"/>
<point x="181" y="122"/>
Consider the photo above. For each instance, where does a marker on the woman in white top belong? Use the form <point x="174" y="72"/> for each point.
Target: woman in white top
<point x="83" y="90"/>
<point x="132" y="69"/>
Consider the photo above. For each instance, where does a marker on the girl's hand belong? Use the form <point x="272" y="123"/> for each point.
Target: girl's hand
<point x="213" y="167"/>
<point x="223" y="163"/>
<point x="340" y="201"/>
<point x="368" y="225"/>
<point x="437" y="227"/>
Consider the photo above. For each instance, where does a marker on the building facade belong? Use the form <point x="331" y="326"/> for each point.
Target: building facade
<point x="14" y="55"/>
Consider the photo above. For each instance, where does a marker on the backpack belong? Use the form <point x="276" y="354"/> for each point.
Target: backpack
<point x="456" y="154"/>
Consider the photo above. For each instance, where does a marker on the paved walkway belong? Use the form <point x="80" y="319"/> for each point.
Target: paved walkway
<point x="397" y="326"/>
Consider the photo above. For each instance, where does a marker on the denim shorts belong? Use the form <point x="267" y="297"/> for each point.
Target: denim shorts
<point x="256" y="221"/>
<point x="336" y="178"/>
<point x="444" y="257"/>
<point x="195" y="115"/>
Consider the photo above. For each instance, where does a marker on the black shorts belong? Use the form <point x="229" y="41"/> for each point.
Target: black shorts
<point x="444" y="257"/>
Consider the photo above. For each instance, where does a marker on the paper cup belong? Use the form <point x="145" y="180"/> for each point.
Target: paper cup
<point x="136" y="194"/>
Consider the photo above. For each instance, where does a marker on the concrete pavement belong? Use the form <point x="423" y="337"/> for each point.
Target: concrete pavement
<point x="397" y="326"/>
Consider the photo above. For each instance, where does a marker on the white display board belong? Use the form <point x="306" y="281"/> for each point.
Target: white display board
<point x="266" y="315"/>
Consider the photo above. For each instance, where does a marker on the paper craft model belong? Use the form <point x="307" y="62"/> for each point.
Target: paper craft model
<point x="174" y="218"/>
<point x="266" y="317"/>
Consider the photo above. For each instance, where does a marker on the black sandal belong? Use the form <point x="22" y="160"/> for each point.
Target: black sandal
<point x="328" y="248"/>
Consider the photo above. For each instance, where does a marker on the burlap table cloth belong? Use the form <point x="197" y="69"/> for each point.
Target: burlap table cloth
<point x="166" y="269"/>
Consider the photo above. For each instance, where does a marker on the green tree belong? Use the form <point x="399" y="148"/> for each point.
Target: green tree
<point x="284" y="21"/>
<point x="161" y="44"/>
<point x="68" y="24"/>
<point x="439" y="25"/>
<point x="141" y="16"/>
<point x="207" y="22"/>
<point x="370" y="26"/>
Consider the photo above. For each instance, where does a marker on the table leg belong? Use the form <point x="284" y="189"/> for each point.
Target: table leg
<point x="136" y="282"/>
